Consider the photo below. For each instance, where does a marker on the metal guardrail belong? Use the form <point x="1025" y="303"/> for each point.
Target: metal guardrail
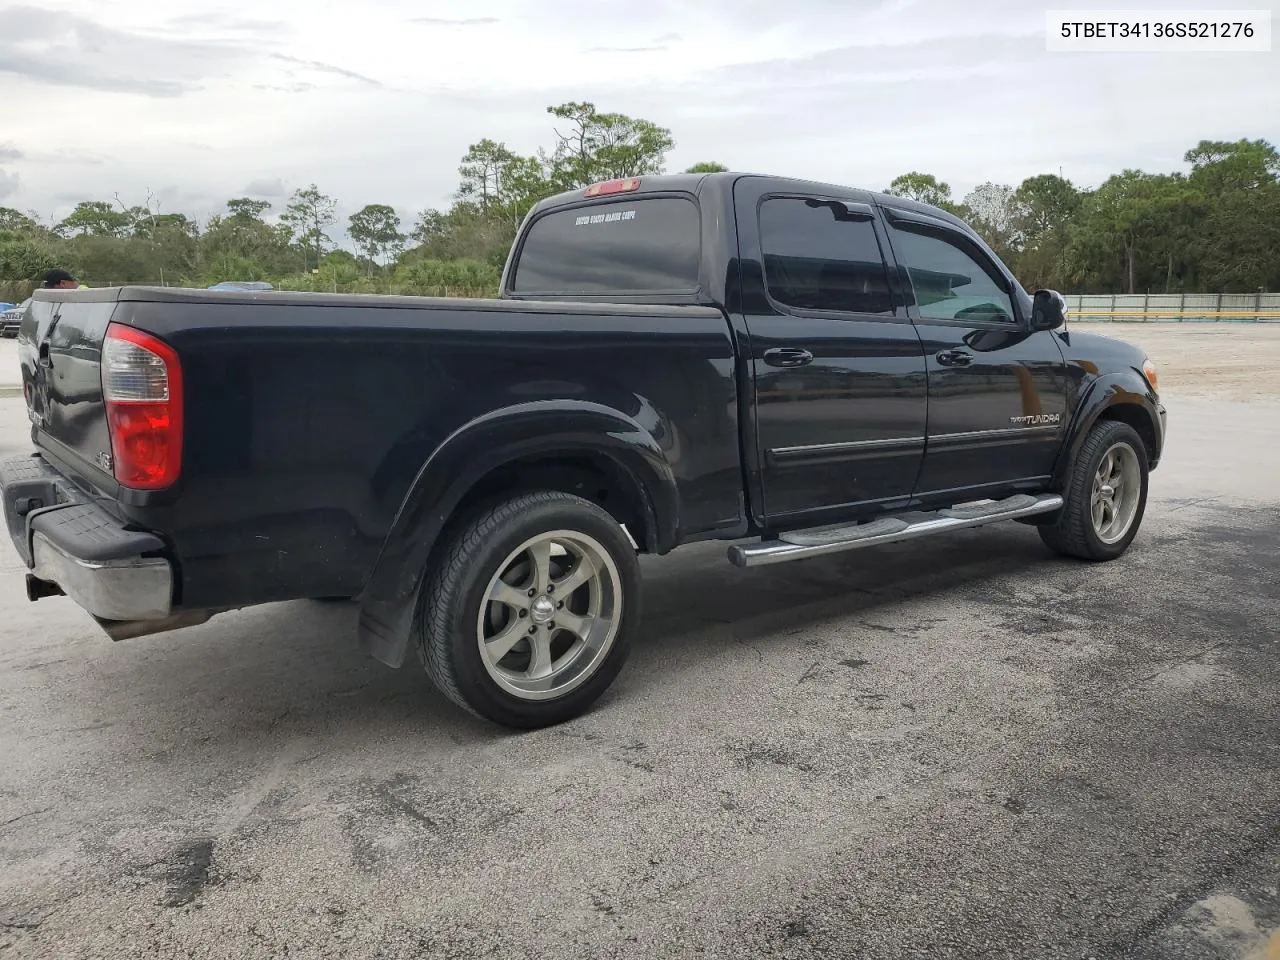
<point x="1174" y="308"/>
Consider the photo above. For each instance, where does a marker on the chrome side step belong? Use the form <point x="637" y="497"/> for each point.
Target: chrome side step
<point x="843" y="532"/>
<point x="819" y="541"/>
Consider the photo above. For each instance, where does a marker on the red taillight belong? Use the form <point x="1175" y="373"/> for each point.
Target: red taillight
<point x="613" y="186"/>
<point x="142" y="387"/>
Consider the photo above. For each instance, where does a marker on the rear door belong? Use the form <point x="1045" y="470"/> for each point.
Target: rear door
<point x="839" y="372"/>
<point x="997" y="391"/>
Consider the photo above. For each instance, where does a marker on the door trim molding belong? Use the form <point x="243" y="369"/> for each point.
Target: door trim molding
<point x="859" y="449"/>
<point x="981" y="438"/>
<point x="850" y="450"/>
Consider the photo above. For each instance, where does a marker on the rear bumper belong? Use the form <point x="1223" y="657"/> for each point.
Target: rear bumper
<point x="67" y="540"/>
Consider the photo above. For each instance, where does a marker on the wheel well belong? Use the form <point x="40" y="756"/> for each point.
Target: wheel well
<point x="1136" y="417"/>
<point x="594" y="477"/>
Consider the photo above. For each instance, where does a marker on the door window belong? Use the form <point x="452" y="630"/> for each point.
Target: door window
<point x="819" y="257"/>
<point x="949" y="283"/>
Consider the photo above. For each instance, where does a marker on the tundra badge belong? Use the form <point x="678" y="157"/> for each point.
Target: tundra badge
<point x="1036" y="418"/>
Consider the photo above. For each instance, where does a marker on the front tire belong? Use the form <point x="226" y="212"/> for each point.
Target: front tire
<point x="528" y="615"/>
<point x="1105" y="496"/>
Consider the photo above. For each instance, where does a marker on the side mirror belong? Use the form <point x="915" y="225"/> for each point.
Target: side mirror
<point x="1048" y="310"/>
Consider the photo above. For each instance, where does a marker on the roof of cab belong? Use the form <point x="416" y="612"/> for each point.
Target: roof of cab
<point x="693" y="182"/>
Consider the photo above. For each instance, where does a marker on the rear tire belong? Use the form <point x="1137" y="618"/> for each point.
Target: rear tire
<point x="1105" y="496"/>
<point x="527" y="616"/>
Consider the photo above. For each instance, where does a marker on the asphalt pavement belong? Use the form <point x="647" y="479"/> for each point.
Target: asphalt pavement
<point x="964" y="748"/>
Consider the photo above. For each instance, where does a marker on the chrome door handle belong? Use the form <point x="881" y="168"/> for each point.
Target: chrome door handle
<point x="787" y="357"/>
<point x="954" y="358"/>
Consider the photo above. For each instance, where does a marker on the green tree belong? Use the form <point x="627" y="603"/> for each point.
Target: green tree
<point x="14" y="221"/>
<point x="1044" y="204"/>
<point x="921" y="187"/>
<point x="1121" y="238"/>
<point x="247" y="208"/>
<point x="1045" y="207"/>
<point x="95" y="218"/>
<point x="498" y="187"/>
<point x="1218" y="166"/>
<point x="376" y="232"/>
<point x="101" y="260"/>
<point x="1234" y="243"/>
<point x="1177" y="207"/>
<point x="593" y="146"/>
<point x="241" y="246"/>
<point x="309" y="214"/>
<point x="23" y="260"/>
<point x="156" y="226"/>
<point x="448" y="278"/>
<point x="483" y="171"/>
<point x="430" y="227"/>
<point x="500" y="183"/>
<point x="466" y="231"/>
<point x="526" y="182"/>
<point x="708" y="167"/>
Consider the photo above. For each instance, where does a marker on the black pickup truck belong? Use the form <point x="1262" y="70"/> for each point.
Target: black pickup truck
<point x="796" y="367"/>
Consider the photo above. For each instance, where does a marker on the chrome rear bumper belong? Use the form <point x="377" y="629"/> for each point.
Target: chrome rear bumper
<point x="132" y="588"/>
<point x="73" y="545"/>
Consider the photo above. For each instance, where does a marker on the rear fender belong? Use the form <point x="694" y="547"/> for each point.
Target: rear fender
<point x="1103" y="394"/>
<point x="474" y="451"/>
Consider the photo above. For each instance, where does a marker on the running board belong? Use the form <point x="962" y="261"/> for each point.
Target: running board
<point x="819" y="541"/>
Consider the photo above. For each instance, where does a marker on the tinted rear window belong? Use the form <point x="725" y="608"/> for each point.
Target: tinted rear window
<point x="630" y="246"/>
<point x="817" y="257"/>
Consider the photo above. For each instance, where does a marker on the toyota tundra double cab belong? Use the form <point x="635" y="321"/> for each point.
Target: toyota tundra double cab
<point x="794" y="368"/>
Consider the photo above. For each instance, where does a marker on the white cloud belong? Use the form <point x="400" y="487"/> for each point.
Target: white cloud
<point x="8" y="184"/>
<point x="265" y="187"/>
<point x="194" y="99"/>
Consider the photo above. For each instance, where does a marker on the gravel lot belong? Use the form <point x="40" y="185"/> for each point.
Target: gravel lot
<point x="967" y="748"/>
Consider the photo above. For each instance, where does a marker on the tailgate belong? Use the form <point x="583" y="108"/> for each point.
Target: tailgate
<point x="61" y="354"/>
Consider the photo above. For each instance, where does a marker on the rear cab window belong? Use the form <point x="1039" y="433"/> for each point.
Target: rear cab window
<point x="640" y="245"/>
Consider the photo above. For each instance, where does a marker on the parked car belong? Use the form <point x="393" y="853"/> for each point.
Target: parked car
<point x="795" y="368"/>
<point x="241" y="285"/>
<point x="11" y="318"/>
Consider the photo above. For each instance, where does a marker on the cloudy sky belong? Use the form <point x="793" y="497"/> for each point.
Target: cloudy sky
<point x="199" y="100"/>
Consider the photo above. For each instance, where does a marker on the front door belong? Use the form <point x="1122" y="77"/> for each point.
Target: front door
<point x="997" y="391"/>
<point x="839" y="373"/>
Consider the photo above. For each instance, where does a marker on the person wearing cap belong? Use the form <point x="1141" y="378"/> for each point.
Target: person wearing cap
<point x="60" y="280"/>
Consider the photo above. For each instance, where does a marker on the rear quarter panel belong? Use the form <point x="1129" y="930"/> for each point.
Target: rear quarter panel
<point x="307" y="421"/>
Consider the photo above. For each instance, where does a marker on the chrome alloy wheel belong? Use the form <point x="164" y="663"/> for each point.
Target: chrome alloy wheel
<point x="1117" y="487"/>
<point x="550" y="615"/>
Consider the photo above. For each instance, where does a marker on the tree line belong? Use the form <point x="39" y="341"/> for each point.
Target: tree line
<point x="1214" y="228"/>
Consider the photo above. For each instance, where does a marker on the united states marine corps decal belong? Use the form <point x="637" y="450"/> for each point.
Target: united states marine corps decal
<point x="1036" y="419"/>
